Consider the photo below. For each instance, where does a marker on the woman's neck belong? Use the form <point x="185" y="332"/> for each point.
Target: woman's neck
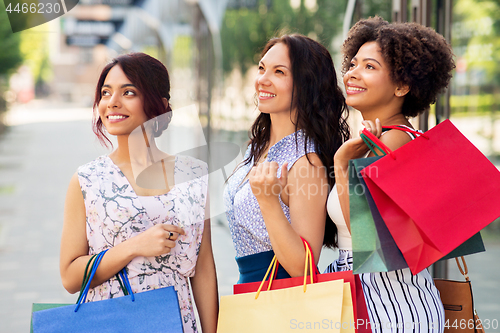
<point x="135" y="148"/>
<point x="388" y="115"/>
<point x="121" y="155"/>
<point x="281" y="126"/>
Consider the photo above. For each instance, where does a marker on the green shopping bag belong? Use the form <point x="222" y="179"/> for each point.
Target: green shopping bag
<point x="374" y="248"/>
<point x="42" y="306"/>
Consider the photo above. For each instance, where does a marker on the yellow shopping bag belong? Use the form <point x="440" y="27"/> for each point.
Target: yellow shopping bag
<point x="322" y="306"/>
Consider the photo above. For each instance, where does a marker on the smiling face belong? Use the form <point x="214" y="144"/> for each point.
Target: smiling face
<point x="274" y="81"/>
<point x="121" y="106"/>
<point x="368" y="84"/>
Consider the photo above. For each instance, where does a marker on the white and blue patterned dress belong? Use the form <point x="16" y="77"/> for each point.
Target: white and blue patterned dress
<point x="115" y="213"/>
<point x="246" y="223"/>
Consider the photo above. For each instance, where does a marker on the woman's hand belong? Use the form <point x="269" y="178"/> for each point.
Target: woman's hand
<point x="156" y="241"/>
<point x="265" y="183"/>
<point x="356" y="147"/>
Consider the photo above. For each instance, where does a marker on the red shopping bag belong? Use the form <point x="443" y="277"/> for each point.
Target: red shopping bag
<point x="361" y="318"/>
<point x="434" y="193"/>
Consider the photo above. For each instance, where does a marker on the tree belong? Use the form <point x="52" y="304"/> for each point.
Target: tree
<point x="10" y="56"/>
<point x="476" y="37"/>
<point x="34" y="51"/>
<point x="246" y="30"/>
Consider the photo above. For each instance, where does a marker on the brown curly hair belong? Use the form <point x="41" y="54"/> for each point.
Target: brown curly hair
<point x="417" y="55"/>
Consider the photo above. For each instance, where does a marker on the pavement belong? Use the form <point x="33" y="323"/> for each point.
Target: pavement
<point x="38" y="155"/>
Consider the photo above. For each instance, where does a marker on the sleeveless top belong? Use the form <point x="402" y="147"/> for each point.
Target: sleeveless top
<point x="246" y="223"/>
<point x="335" y="213"/>
<point x="115" y="213"/>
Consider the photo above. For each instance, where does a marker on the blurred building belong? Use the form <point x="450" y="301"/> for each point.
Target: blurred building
<point x="96" y="30"/>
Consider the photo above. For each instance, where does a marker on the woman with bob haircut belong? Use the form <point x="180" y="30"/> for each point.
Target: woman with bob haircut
<point x="158" y="228"/>
<point x="392" y="72"/>
<point x="277" y="195"/>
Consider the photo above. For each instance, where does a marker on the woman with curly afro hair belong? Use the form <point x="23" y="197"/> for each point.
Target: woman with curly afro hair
<point x="392" y="72"/>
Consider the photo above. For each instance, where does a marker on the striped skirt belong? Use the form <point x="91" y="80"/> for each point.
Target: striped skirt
<point x="398" y="301"/>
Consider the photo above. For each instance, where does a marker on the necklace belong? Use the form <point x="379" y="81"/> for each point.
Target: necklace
<point x="261" y="160"/>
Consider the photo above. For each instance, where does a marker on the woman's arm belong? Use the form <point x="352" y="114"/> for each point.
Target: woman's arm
<point x="204" y="282"/>
<point x="74" y="245"/>
<point x="351" y="149"/>
<point x="305" y="193"/>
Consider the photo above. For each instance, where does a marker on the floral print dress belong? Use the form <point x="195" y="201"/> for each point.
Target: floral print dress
<point x="115" y="213"/>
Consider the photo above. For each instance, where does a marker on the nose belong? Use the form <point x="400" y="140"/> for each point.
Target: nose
<point x="114" y="101"/>
<point x="352" y="72"/>
<point x="263" y="79"/>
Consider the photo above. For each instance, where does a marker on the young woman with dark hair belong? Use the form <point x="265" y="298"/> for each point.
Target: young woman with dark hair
<point x="392" y="71"/>
<point x="161" y="234"/>
<point x="278" y="193"/>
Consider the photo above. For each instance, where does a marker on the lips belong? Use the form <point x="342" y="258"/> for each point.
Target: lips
<point x="353" y="89"/>
<point x="265" y="95"/>
<point x="114" y="118"/>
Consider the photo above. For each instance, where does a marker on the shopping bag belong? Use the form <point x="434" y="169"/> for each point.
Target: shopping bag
<point x="315" y="306"/>
<point x="374" y="249"/>
<point x="43" y="306"/>
<point x="434" y="193"/>
<point x="346" y="276"/>
<point x="151" y="311"/>
<point x="86" y="275"/>
<point x="472" y="245"/>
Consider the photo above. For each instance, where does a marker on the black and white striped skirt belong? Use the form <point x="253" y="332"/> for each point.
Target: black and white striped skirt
<point x="398" y="301"/>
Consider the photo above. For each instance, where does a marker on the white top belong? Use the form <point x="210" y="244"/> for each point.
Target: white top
<point x="335" y="213"/>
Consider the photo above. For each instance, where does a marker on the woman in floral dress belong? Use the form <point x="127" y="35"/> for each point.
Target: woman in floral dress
<point x="156" y="223"/>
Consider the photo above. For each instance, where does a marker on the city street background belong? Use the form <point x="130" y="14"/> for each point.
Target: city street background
<point x="38" y="155"/>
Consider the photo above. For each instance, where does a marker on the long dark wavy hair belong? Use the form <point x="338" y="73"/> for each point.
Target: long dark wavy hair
<point x="320" y="104"/>
<point x="150" y="77"/>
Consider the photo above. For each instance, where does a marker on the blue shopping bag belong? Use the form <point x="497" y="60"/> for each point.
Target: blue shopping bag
<point x="150" y="311"/>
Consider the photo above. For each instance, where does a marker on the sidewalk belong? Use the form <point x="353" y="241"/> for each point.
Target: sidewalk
<point x="38" y="156"/>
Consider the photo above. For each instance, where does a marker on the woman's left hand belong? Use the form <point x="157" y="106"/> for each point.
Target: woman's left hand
<point x="264" y="181"/>
<point x="356" y="147"/>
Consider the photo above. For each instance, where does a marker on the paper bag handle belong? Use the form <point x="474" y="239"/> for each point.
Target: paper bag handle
<point x="373" y="141"/>
<point x="88" y="279"/>
<point x="308" y="266"/>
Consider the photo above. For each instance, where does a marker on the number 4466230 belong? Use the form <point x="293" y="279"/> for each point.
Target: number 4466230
<point x="32" y="8"/>
<point x="471" y="324"/>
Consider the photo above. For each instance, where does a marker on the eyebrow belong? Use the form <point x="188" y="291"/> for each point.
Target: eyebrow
<point x="367" y="59"/>
<point x="260" y="62"/>
<point x="122" y="86"/>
